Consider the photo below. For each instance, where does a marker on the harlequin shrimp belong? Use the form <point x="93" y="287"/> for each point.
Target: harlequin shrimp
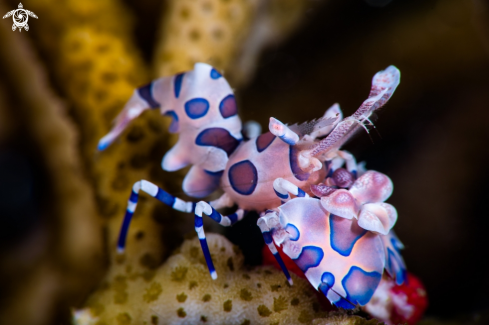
<point x="259" y="172"/>
<point x="341" y="241"/>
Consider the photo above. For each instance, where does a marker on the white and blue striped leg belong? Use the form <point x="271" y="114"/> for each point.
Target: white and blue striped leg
<point x="264" y="222"/>
<point x="155" y="192"/>
<point x="226" y="221"/>
<point x="282" y="131"/>
<point x="284" y="188"/>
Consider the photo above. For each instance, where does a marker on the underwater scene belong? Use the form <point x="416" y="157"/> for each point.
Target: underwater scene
<point x="244" y="162"/>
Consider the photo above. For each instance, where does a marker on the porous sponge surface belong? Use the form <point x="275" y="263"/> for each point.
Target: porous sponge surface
<point x="181" y="291"/>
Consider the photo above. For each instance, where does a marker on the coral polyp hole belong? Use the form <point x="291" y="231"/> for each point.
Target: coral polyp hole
<point x="192" y="284"/>
<point x="75" y="46"/>
<point x="181" y="313"/>
<point x="101" y="96"/>
<point x="185" y="13"/>
<point x="121" y="183"/>
<point x="194" y="35"/>
<point x="135" y="134"/>
<point x="228" y="305"/>
<point x="109" y="77"/>
<point x="207" y="297"/>
<point x="102" y="48"/>
<point x="207" y="7"/>
<point x="182" y="297"/>
<point x="147" y="260"/>
<point x="139" y="235"/>
<point x="218" y="34"/>
<point x="263" y="311"/>
<point x="139" y="161"/>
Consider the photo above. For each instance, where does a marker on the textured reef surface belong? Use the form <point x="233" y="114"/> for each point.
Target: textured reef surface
<point x="182" y="292"/>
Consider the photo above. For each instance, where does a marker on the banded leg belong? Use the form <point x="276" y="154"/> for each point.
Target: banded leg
<point x="264" y="222"/>
<point x="226" y="221"/>
<point x="282" y="131"/>
<point x="284" y="188"/>
<point x="155" y="192"/>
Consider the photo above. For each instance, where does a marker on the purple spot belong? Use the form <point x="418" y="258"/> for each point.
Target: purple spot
<point x="264" y="141"/>
<point x="293" y="232"/>
<point x="177" y="84"/>
<point x="228" y="107"/>
<point x="219" y="138"/>
<point x="243" y="177"/>
<point x="146" y="93"/>
<point x="196" y="108"/>
<point x="215" y="74"/>
<point x="294" y="165"/>
<point x="327" y="282"/>
<point x="344" y="234"/>
<point x="310" y="256"/>
<point x="174" y="122"/>
<point x="360" y="285"/>
<point x="328" y="278"/>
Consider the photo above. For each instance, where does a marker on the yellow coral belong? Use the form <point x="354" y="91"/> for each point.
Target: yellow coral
<point x="239" y="296"/>
<point x="229" y="35"/>
<point x="202" y="31"/>
<point x="345" y="320"/>
<point x="90" y="48"/>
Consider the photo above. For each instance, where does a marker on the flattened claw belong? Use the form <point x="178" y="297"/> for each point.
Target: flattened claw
<point x="391" y="212"/>
<point x="374" y="217"/>
<point x="341" y="203"/>
<point x="372" y="187"/>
